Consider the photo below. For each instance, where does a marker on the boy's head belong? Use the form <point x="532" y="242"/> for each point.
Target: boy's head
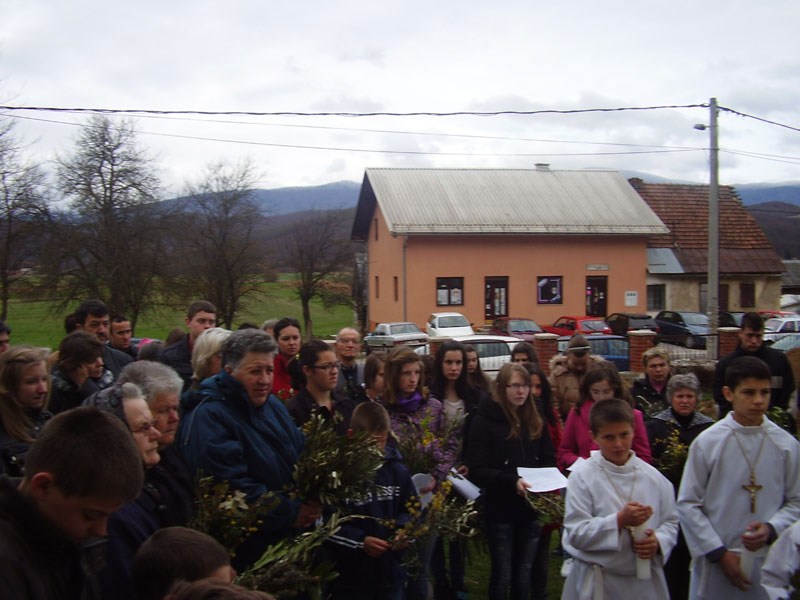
<point x="372" y="418"/>
<point x="178" y="554"/>
<point x="747" y="388"/>
<point x="611" y="423"/>
<point x="83" y="467"/>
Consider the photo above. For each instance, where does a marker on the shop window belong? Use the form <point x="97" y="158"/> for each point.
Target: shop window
<point x="550" y="289"/>
<point x="449" y="291"/>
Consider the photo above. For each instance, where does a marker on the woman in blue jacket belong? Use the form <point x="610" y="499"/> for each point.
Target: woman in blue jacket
<point x="240" y="433"/>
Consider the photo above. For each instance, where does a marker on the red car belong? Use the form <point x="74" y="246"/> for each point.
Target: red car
<point x="582" y="325"/>
<point x="517" y="327"/>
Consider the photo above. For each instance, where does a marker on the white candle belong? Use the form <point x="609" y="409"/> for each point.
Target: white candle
<point x="642" y="564"/>
<point x="746" y="562"/>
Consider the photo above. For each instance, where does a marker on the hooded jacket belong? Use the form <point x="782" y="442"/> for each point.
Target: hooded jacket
<point x="565" y="384"/>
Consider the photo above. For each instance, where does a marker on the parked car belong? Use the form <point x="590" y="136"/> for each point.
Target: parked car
<point x="387" y="335"/>
<point x="622" y="323"/>
<point x="730" y="319"/>
<point x="683" y="327"/>
<point x="788" y="342"/>
<point x="493" y="350"/>
<point x="777" y="328"/>
<point x="520" y="328"/>
<point x="583" y="325"/>
<point x="448" y="323"/>
<point x="776" y="314"/>
<point x="614" y="348"/>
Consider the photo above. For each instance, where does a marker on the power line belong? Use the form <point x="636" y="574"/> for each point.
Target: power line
<point x="762" y="119"/>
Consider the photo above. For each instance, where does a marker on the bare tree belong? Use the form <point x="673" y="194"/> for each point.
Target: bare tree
<point x="317" y="247"/>
<point x="109" y="244"/>
<point x="218" y="254"/>
<point x="22" y="211"/>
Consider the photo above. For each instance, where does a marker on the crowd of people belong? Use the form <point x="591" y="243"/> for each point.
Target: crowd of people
<point x="101" y="443"/>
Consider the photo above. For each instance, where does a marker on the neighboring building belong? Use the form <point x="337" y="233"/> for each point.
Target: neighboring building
<point x="790" y="300"/>
<point x="488" y="243"/>
<point x="677" y="263"/>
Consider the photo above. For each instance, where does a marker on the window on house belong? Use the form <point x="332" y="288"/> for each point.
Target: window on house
<point x="377" y="287"/>
<point x="396" y="291"/>
<point x="549" y="289"/>
<point x="449" y="291"/>
<point x="376" y="229"/>
<point x="656" y="296"/>
<point x="747" y="294"/>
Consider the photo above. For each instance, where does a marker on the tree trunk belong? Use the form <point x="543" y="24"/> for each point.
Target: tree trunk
<point x="308" y="326"/>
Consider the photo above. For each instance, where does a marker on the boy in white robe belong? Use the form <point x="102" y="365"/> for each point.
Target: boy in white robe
<point x="782" y="561"/>
<point x="740" y="488"/>
<point x="607" y="496"/>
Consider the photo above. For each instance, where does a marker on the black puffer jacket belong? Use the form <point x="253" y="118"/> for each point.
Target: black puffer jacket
<point x="14" y="451"/>
<point x="493" y="458"/>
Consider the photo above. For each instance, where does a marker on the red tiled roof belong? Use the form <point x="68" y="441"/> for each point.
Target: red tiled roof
<point x="744" y="247"/>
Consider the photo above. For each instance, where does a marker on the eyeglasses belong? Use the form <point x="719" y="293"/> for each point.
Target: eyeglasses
<point x="518" y="386"/>
<point x="145" y="428"/>
<point x="329" y="367"/>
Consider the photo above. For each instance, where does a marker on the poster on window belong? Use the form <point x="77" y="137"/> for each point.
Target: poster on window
<point x="549" y="290"/>
<point x="455" y="296"/>
<point x="443" y="297"/>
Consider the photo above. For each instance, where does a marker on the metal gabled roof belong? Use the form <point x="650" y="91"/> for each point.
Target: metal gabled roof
<point x="498" y="201"/>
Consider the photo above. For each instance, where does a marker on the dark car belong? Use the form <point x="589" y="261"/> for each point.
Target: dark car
<point x="622" y="323"/>
<point x="730" y="319"/>
<point x="614" y="348"/>
<point x="523" y="329"/>
<point x="683" y="327"/>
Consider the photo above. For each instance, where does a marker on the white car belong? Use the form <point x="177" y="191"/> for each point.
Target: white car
<point x="449" y="324"/>
<point x="780" y="327"/>
<point x="493" y="350"/>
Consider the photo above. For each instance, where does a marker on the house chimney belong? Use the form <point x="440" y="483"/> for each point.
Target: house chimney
<point x="542" y="166"/>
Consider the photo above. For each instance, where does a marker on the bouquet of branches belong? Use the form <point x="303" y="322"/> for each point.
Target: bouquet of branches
<point x="334" y="468"/>
<point x="225" y="515"/>
<point x="780" y="416"/>
<point x="287" y="569"/>
<point x="673" y="457"/>
<point x="426" y="446"/>
<point x="549" y="506"/>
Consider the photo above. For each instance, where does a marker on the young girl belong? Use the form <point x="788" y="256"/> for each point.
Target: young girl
<point x="507" y="432"/>
<point x="287" y="336"/>
<point x="475" y="374"/>
<point x="373" y="376"/>
<point x="601" y="382"/>
<point x="317" y="363"/>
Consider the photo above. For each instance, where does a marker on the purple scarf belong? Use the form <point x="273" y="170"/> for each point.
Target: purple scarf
<point x="409" y="405"/>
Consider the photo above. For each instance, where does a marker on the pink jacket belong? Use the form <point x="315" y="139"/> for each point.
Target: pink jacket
<point x="577" y="440"/>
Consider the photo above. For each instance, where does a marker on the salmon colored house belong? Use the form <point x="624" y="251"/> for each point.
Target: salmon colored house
<point x="487" y="243"/>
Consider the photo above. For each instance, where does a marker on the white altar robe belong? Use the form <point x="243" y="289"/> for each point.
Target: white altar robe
<point x="782" y="561"/>
<point x="715" y="509"/>
<point x="605" y="564"/>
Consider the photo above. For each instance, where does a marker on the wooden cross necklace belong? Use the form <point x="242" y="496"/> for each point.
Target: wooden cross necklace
<point x="752" y="487"/>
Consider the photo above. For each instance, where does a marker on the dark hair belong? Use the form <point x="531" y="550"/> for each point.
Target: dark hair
<point x="602" y="371"/>
<point x="478" y="378"/>
<point x="546" y="399"/>
<point x="746" y="367"/>
<point x="13" y="415"/>
<point x="610" y="411"/>
<point x="78" y="348"/>
<point x="528" y="350"/>
<point x="5" y="328"/>
<point x="247" y="325"/>
<point x="96" y="308"/>
<point x="89" y="453"/>
<point x="752" y="320"/>
<point x="174" y="554"/>
<point x="209" y="589"/>
<point x="526" y="413"/>
<point x="200" y="306"/>
<point x="370" y="417"/>
<point x="578" y="346"/>
<point x="119" y="318"/>
<point x="372" y="367"/>
<point x="70" y="323"/>
<point x="398" y="357"/>
<point x="243" y="341"/>
<point x="283" y="324"/>
<point x="439" y="384"/>
<point x="175" y="335"/>
<point x="306" y="357"/>
<point x="151" y="350"/>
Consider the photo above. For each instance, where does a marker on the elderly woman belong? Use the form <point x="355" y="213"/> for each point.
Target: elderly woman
<point x="24" y="383"/>
<point x="650" y="392"/>
<point x="206" y="362"/>
<point x="682" y="417"/>
<point x="241" y="434"/>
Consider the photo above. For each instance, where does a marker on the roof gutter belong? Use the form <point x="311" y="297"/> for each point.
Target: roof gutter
<point x="405" y="286"/>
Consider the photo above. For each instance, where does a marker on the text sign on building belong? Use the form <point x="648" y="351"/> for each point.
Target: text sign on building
<point x="597" y="267"/>
<point x="632" y="298"/>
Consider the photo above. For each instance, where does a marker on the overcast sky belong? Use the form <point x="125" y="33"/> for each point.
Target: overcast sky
<point x="357" y="56"/>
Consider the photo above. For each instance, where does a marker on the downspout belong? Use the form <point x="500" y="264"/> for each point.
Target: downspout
<point x="405" y="285"/>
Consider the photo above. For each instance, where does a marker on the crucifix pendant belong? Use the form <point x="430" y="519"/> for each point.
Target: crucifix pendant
<point x="752" y="489"/>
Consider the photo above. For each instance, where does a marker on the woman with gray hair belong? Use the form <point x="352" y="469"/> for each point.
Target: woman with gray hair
<point x="206" y="362"/>
<point x="240" y="433"/>
<point x="680" y="423"/>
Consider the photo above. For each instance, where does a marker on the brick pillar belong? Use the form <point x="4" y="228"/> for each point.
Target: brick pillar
<point x="546" y="345"/>
<point x="728" y="340"/>
<point x="435" y="342"/>
<point x="640" y="341"/>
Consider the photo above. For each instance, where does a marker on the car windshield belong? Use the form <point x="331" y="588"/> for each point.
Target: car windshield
<point x="695" y="319"/>
<point x="453" y="321"/>
<point x="593" y="325"/>
<point x="523" y="325"/>
<point x="642" y="323"/>
<point x="773" y="324"/>
<point x="405" y="328"/>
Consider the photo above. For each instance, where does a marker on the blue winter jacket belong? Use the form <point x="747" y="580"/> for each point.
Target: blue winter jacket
<point x="254" y="449"/>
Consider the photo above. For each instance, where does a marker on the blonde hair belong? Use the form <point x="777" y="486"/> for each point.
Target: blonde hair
<point x="526" y="413"/>
<point x="13" y="363"/>
<point x="207" y="345"/>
